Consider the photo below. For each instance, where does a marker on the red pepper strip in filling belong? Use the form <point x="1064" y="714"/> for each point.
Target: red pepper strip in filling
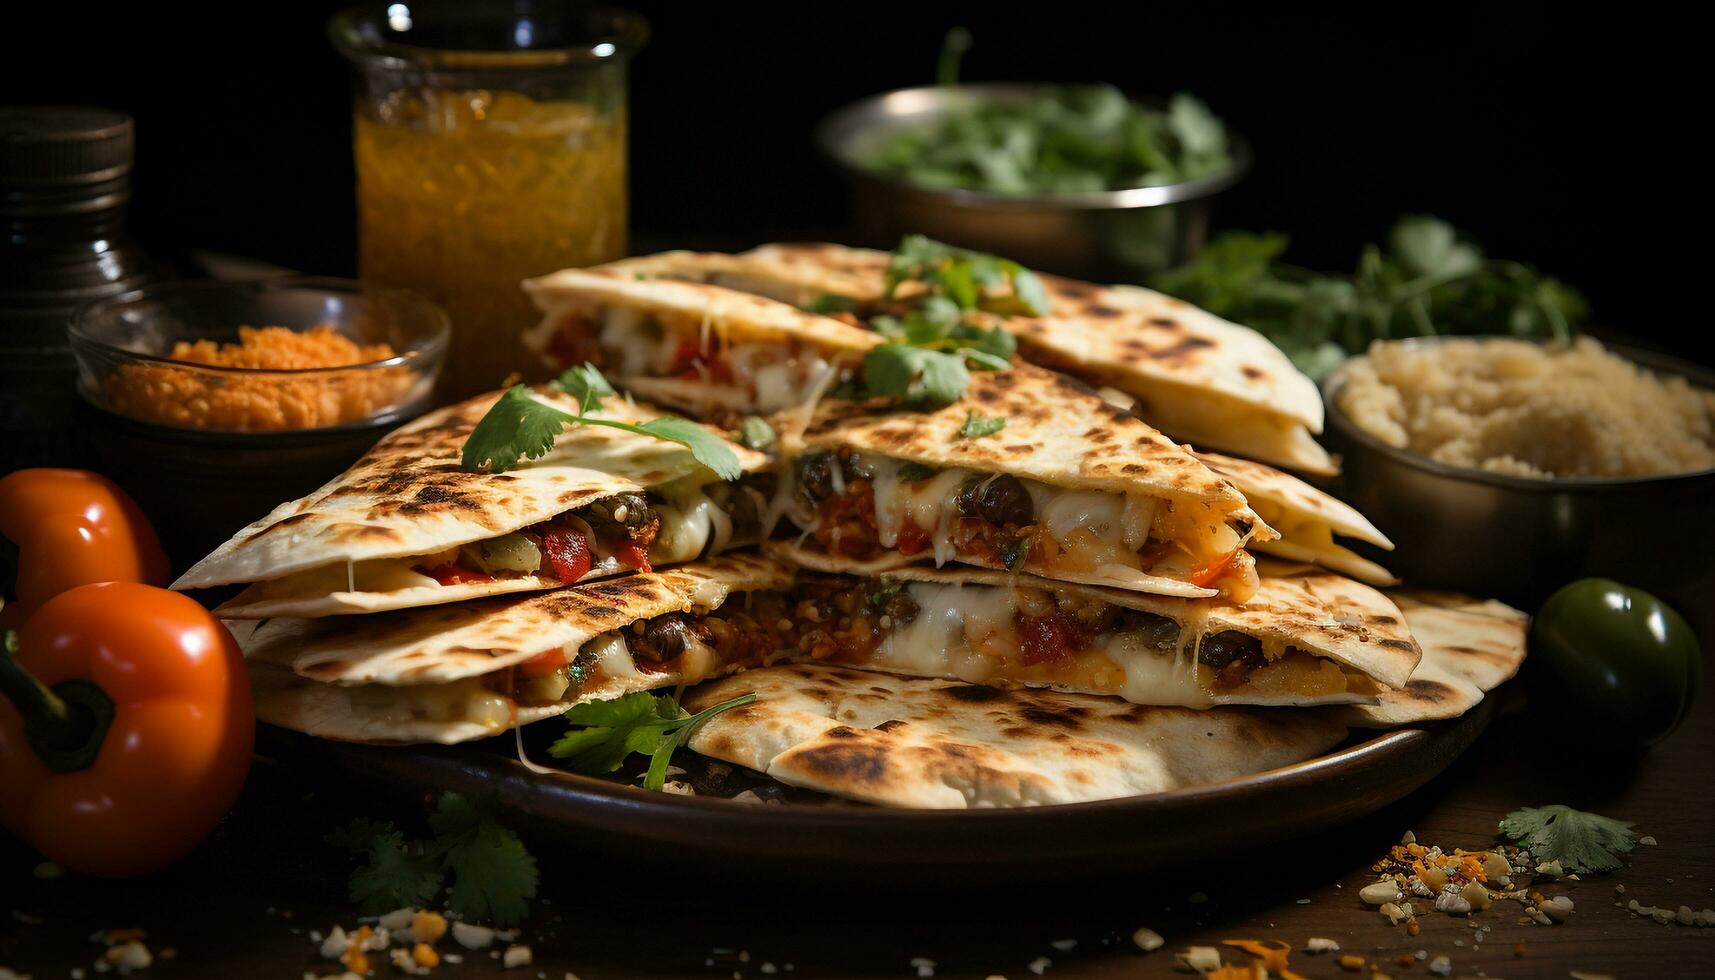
<point x="633" y="555"/>
<point x="542" y="664"/>
<point x="1214" y="570"/>
<point x="451" y="574"/>
<point x="567" y="553"/>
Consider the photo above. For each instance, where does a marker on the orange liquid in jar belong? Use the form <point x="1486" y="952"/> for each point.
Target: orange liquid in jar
<point x="463" y="194"/>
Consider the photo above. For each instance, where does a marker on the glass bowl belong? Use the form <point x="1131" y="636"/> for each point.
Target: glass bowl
<point x="206" y="450"/>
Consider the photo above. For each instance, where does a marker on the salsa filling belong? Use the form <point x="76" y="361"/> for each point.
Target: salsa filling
<point x="862" y="506"/>
<point x="683" y="361"/>
<point x="1044" y="635"/>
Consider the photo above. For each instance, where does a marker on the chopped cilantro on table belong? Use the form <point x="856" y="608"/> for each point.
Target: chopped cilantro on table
<point x="521" y="427"/>
<point x="485" y="870"/>
<point x="1581" y="842"/>
<point x="1065" y="139"/>
<point x="1426" y="280"/>
<point x="605" y="733"/>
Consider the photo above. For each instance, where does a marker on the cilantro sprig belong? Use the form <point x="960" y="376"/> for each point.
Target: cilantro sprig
<point x="484" y="869"/>
<point x="604" y="734"/>
<point x="1426" y="280"/>
<point x="521" y="427"/>
<point x="935" y="343"/>
<point x="1581" y="842"/>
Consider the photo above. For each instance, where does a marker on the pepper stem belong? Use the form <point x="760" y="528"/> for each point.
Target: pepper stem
<point x="65" y="724"/>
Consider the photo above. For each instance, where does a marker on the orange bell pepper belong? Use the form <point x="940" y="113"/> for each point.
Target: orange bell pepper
<point x="125" y="728"/>
<point x="60" y="529"/>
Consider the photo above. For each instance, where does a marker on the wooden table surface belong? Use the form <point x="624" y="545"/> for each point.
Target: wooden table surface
<point x="244" y="903"/>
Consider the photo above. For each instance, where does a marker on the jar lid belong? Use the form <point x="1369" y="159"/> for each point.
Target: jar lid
<point x="63" y="146"/>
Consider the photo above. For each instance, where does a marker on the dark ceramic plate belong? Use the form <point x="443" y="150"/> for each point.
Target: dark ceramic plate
<point x="787" y="831"/>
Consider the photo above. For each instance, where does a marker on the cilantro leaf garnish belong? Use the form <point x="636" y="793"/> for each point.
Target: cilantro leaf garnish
<point x="976" y="426"/>
<point x="965" y="277"/>
<point x="1581" y="842"/>
<point x="605" y="733"/>
<point x="492" y="875"/>
<point x="755" y="433"/>
<point x="914" y="472"/>
<point x="519" y="426"/>
<point x="831" y="303"/>
<point x="914" y="374"/>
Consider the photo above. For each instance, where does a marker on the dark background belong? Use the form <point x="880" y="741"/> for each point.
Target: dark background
<point x="1554" y="137"/>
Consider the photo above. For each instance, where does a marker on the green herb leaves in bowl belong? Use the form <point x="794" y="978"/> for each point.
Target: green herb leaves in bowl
<point x="1425" y="281"/>
<point x="1069" y="139"/>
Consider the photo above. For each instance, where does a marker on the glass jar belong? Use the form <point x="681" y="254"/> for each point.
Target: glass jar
<point x="490" y="142"/>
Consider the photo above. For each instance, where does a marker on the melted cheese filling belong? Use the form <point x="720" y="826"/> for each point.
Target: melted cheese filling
<point x="645" y="348"/>
<point x="1097" y="535"/>
<point x="970" y="633"/>
<point x="691" y="526"/>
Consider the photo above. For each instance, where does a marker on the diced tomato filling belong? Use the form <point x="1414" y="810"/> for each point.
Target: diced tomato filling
<point x="453" y="573"/>
<point x="567" y="553"/>
<point x="912" y="538"/>
<point x="542" y="664"/>
<point x="1055" y="638"/>
<point x="847" y="521"/>
<point x="575" y="343"/>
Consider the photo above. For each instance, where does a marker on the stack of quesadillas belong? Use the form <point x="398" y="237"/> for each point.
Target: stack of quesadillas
<point x="1066" y="606"/>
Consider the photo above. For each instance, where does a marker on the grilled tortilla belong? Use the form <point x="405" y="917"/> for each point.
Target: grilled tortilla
<point x="1308" y="519"/>
<point x="1304" y="639"/>
<point x="407" y="526"/>
<point x="715" y="352"/>
<point x="920" y="743"/>
<point x="1470" y="647"/>
<point x="454" y="673"/>
<point x="1070" y="489"/>
<point x="1195" y="376"/>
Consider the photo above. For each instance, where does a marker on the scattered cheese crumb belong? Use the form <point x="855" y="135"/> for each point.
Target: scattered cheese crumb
<point x="1317" y="944"/>
<point x="1441" y="966"/>
<point x="518" y="955"/>
<point x="1039" y="964"/>
<point x="1148" y="940"/>
<point x="924" y="966"/>
<point x="472" y="937"/>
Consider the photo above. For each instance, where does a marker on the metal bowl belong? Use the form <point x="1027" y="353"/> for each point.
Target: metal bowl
<point x="1519" y="539"/>
<point x="1104" y="235"/>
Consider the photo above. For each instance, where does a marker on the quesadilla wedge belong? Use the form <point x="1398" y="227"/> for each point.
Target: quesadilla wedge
<point x="459" y="672"/>
<point x="715" y="352"/>
<point x="1194" y="375"/>
<point x="1069" y="488"/>
<point x="408" y="526"/>
<point x="1305" y="639"/>
<point x="1308" y="519"/>
<point x="1470" y="647"/>
<point x="902" y="742"/>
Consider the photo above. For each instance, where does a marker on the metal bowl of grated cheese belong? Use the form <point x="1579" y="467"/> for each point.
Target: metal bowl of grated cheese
<point x="1507" y="467"/>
